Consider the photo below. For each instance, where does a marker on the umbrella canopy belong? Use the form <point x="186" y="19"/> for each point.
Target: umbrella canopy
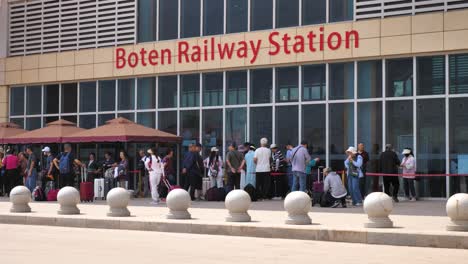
<point x="122" y="130"/>
<point x="8" y="129"/>
<point x="53" y="132"/>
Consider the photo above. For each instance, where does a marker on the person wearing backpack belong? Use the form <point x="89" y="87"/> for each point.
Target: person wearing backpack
<point x="353" y="166"/>
<point x="31" y="171"/>
<point x="64" y="162"/>
<point x="214" y="164"/>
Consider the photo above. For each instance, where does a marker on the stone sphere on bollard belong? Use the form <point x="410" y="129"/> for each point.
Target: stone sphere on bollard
<point x="457" y="210"/>
<point x="378" y="206"/>
<point x="20" y="196"/>
<point x="238" y="202"/>
<point x="178" y="201"/>
<point x="298" y="205"/>
<point x="118" y="199"/>
<point x="68" y="197"/>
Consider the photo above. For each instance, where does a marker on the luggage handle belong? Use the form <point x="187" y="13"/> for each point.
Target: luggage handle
<point x="318" y="173"/>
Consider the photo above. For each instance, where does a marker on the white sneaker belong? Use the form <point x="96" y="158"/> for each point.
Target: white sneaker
<point x="358" y="204"/>
<point x="154" y="202"/>
<point x="413" y="199"/>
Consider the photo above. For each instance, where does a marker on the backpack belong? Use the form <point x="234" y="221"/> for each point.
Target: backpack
<point x="64" y="165"/>
<point x="250" y="189"/>
<point x="353" y="170"/>
<point x="38" y="194"/>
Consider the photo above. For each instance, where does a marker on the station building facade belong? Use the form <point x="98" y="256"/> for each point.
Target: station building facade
<point x="333" y="72"/>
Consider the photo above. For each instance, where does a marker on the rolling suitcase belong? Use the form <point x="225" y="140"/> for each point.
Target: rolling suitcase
<point x="317" y="188"/>
<point x="99" y="189"/>
<point x="86" y="188"/>
<point x="205" y="186"/>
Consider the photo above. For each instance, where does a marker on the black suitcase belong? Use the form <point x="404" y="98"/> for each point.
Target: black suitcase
<point x="109" y="184"/>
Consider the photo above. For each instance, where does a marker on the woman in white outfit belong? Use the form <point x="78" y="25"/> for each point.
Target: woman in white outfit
<point x="214" y="164"/>
<point x="155" y="168"/>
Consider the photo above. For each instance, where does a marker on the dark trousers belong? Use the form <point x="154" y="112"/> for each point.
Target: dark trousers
<point x="391" y="180"/>
<point x="2" y="182"/>
<point x="192" y="184"/>
<point x="328" y="200"/>
<point x="375" y="183"/>
<point x="408" y="185"/>
<point x="67" y="179"/>
<point x="233" y="180"/>
<point x="362" y="186"/>
<point x="262" y="183"/>
<point x="12" y="179"/>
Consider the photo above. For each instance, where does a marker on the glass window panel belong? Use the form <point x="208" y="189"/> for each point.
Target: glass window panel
<point x="50" y="119"/>
<point x="33" y="123"/>
<point x="314" y="11"/>
<point x="313" y="129"/>
<point x="147" y="15"/>
<point x="341" y="134"/>
<point x="313" y="82"/>
<point x="212" y="129"/>
<point x="190" y="90"/>
<point x="261" y="81"/>
<point x="87" y="97"/>
<point x="261" y="14"/>
<point x="147" y="119"/>
<point x="17" y="101"/>
<point x="167" y="121"/>
<point x="18" y="121"/>
<point x="168" y="19"/>
<point x="146" y="98"/>
<point x="87" y="121"/>
<point x="33" y="100"/>
<point x="190" y="18"/>
<point x="399" y="77"/>
<point x="287" y="126"/>
<point x="69" y="98"/>
<point x="102" y="119"/>
<point x="458" y="72"/>
<point x="287" y="13"/>
<point x="458" y="143"/>
<point x="107" y="95"/>
<point x="129" y="116"/>
<point x="212" y="89"/>
<point x="189" y="127"/>
<point x="287" y="84"/>
<point x="341" y="81"/>
<point x="431" y="75"/>
<point x="72" y="119"/>
<point x="126" y="95"/>
<point x="399" y="124"/>
<point x="51" y="99"/>
<point x="237" y="14"/>
<point x="369" y="79"/>
<point x="261" y="124"/>
<point x="213" y="16"/>
<point x="430" y="156"/>
<point x="236" y="126"/>
<point x="167" y="91"/>
<point x="236" y="87"/>
<point x="341" y="10"/>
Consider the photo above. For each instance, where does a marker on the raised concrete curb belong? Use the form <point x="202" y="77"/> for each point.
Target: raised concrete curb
<point x="312" y="232"/>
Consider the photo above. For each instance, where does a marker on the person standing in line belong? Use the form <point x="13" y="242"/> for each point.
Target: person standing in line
<point x="64" y="162"/>
<point x="234" y="163"/>
<point x="12" y="175"/>
<point x="289" y="173"/>
<point x="155" y="168"/>
<point x="250" y="166"/>
<point x="122" y="170"/>
<point x="262" y="158"/>
<point x="168" y="162"/>
<point x="31" y="172"/>
<point x="214" y="164"/>
<point x="353" y="166"/>
<point x="409" y="167"/>
<point x="48" y="170"/>
<point x="108" y="162"/>
<point x="193" y="169"/>
<point x="389" y="164"/>
<point x="22" y="167"/>
<point x="365" y="159"/>
<point x="299" y="160"/>
<point x="143" y="187"/>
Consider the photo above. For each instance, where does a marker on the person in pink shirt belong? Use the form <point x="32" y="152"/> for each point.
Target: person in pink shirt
<point x="12" y="177"/>
<point x="408" y="164"/>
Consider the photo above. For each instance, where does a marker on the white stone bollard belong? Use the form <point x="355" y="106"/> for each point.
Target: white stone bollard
<point x="178" y="201"/>
<point x="378" y="206"/>
<point x="68" y="197"/>
<point x="20" y="196"/>
<point x="238" y="202"/>
<point x="298" y="205"/>
<point x="457" y="210"/>
<point x="118" y="199"/>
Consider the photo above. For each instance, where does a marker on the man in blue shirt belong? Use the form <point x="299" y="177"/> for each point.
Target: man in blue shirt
<point x="289" y="173"/>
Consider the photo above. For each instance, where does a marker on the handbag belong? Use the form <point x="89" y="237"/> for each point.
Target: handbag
<point x="353" y="170"/>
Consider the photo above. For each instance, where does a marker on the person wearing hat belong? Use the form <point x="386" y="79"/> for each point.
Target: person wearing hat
<point x="214" y="164"/>
<point x="262" y="158"/>
<point x="234" y="164"/>
<point x="334" y="190"/>
<point x="408" y="164"/>
<point x="155" y="168"/>
<point x="48" y="170"/>
<point x="389" y="164"/>
<point x="353" y="166"/>
<point x="250" y="167"/>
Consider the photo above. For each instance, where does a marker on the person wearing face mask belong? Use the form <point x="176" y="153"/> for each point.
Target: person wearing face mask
<point x="408" y="164"/>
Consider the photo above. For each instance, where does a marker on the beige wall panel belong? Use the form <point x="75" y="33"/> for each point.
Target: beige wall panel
<point x="30" y="62"/>
<point x="4" y="111"/>
<point x="103" y="55"/>
<point x="455" y="20"/>
<point x="84" y="57"/>
<point x="166" y="68"/>
<point x="284" y="58"/>
<point x="104" y="70"/>
<point x="66" y="58"/>
<point x="340" y="27"/>
<point x="367" y="28"/>
<point x="233" y="62"/>
<point x="201" y="43"/>
<point x="66" y="73"/>
<point x="4" y="94"/>
<point x="48" y="75"/>
<point x="367" y="48"/>
<point x="30" y="76"/>
<point x="428" y="42"/>
<point x="310" y="56"/>
<point x="258" y="35"/>
<point x="13" y="77"/>
<point x="304" y="31"/>
<point x="263" y="58"/>
<point x="84" y="71"/>
<point x="395" y="26"/>
<point x="166" y="44"/>
<point x="2" y="78"/>
<point x="456" y="40"/>
<point x="396" y="45"/>
<point x="13" y="64"/>
<point x="210" y="65"/>
<point x="2" y="65"/>
<point x="126" y="71"/>
<point x="341" y="53"/>
<point x="140" y="69"/>
<point x="431" y="22"/>
<point x="181" y="67"/>
<point x="48" y="60"/>
<point x="233" y="38"/>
